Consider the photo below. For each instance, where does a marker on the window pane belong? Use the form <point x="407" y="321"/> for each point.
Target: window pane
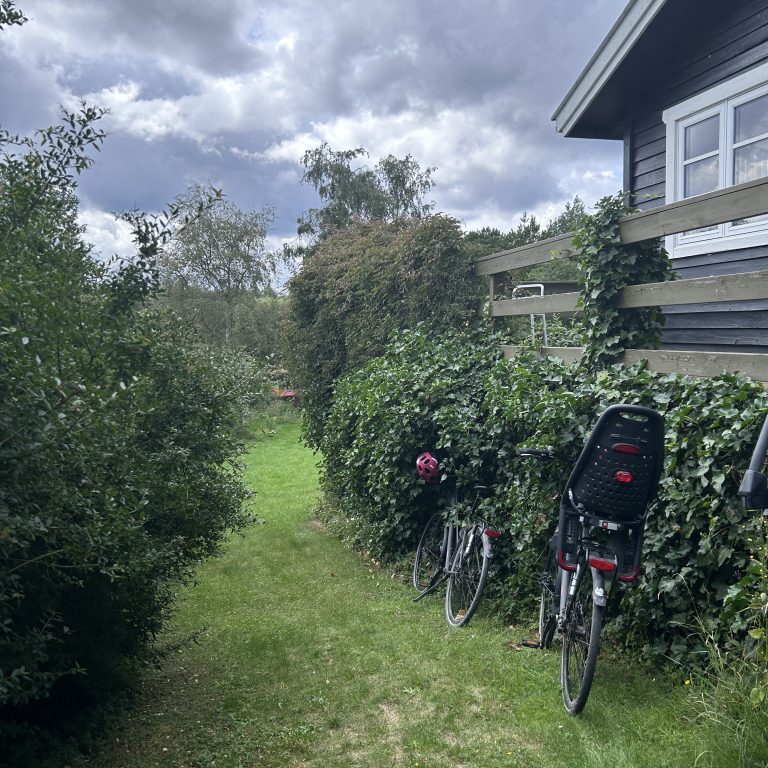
<point x="750" y="161"/>
<point x="702" y="138"/>
<point x="751" y="119"/>
<point x="701" y="176"/>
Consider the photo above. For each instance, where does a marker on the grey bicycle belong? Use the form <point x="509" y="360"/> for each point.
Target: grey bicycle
<point x="458" y="555"/>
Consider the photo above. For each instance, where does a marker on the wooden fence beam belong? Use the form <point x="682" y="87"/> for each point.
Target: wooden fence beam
<point x="689" y="363"/>
<point x="535" y="305"/>
<point x="729" y="204"/>
<point x="747" y="286"/>
<point x="696" y="290"/>
<point x="526" y="255"/>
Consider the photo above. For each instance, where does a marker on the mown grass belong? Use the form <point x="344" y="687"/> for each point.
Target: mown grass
<point x="310" y="656"/>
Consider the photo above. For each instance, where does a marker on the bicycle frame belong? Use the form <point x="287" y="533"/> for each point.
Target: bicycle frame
<point x="570" y="580"/>
<point x="453" y="537"/>
<point x="753" y="490"/>
<point x="599" y="537"/>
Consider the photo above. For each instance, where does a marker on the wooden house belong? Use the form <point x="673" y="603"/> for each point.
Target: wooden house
<point x="684" y="85"/>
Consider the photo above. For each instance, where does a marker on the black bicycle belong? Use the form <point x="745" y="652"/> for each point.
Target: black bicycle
<point x="599" y="537"/>
<point x="459" y="554"/>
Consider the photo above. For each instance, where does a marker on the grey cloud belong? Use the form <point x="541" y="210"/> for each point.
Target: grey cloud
<point x="28" y="98"/>
<point x="512" y="59"/>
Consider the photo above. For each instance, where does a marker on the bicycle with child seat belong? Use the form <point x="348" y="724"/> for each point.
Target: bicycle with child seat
<point x="458" y="555"/>
<point x="599" y="536"/>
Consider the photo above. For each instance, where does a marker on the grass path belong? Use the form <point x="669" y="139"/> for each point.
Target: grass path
<point x="312" y="657"/>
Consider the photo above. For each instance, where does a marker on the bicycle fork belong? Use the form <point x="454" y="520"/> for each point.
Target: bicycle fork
<point x="570" y="586"/>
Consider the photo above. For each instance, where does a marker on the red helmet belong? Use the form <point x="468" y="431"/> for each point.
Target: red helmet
<point x="427" y="467"/>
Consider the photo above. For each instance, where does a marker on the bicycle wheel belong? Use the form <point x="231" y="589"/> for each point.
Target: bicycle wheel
<point x="429" y="554"/>
<point x="467" y="580"/>
<point x="581" y="644"/>
<point x="550" y="600"/>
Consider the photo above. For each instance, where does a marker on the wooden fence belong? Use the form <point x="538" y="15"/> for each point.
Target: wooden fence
<point x="730" y="204"/>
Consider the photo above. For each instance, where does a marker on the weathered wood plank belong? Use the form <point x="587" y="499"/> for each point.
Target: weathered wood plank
<point x="746" y="286"/>
<point x="701" y="364"/>
<point x="695" y="290"/>
<point x="568" y="354"/>
<point x="698" y="364"/>
<point x="739" y="202"/>
<point x="538" y="305"/>
<point x="526" y="255"/>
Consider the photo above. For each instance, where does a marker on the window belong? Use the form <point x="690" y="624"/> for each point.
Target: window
<point x="717" y="139"/>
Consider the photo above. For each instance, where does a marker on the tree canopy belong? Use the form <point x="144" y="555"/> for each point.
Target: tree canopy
<point x="393" y="190"/>
<point x="217" y="261"/>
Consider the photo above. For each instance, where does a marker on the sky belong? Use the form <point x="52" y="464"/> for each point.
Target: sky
<point x="232" y="92"/>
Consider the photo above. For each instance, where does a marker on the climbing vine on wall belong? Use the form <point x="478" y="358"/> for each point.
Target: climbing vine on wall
<point x="606" y="267"/>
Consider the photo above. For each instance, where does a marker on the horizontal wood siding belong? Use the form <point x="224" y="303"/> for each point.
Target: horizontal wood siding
<point x="734" y="44"/>
<point x="739" y="325"/>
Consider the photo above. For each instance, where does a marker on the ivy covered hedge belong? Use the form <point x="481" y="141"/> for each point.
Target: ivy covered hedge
<point x="448" y="390"/>
<point x="451" y="391"/>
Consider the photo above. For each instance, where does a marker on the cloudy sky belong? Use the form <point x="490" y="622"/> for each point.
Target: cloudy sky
<point x="233" y="91"/>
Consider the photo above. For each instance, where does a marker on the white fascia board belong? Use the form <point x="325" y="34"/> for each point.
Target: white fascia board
<point x="633" y="21"/>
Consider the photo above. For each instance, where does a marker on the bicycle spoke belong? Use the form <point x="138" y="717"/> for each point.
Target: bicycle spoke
<point x="549" y="601"/>
<point x="429" y="555"/>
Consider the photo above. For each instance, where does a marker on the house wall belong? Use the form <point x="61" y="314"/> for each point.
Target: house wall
<point x="705" y="56"/>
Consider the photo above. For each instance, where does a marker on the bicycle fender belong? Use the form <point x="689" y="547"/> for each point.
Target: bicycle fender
<point x="487" y="547"/>
<point x="599" y="595"/>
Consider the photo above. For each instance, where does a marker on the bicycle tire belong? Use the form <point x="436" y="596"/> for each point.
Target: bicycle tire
<point x="550" y="600"/>
<point x="429" y="553"/>
<point x="581" y="645"/>
<point x="467" y="580"/>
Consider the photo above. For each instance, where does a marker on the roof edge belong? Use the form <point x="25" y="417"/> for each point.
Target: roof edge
<point x="634" y="20"/>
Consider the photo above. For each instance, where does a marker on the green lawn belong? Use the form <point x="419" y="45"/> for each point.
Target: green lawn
<point x="312" y="656"/>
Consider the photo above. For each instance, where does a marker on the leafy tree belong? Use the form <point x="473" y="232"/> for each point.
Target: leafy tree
<point x="10" y="15"/>
<point x="393" y="190"/>
<point x="215" y="260"/>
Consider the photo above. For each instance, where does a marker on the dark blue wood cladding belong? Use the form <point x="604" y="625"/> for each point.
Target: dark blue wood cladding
<point x="694" y="46"/>
<point x="689" y="47"/>
<point x="737" y="325"/>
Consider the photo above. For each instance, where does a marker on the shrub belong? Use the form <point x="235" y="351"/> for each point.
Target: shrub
<point x="361" y="284"/>
<point x="117" y="470"/>
<point x="449" y="391"/>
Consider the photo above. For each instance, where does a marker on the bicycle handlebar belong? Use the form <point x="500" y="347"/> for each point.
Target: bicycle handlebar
<point x="549" y="452"/>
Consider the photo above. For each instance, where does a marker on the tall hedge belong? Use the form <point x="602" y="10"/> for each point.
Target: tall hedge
<point x="117" y="471"/>
<point x="359" y="286"/>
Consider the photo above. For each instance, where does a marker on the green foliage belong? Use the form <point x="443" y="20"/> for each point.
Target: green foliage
<point x="393" y="190"/>
<point x="360" y="285"/>
<point x="424" y="393"/>
<point x="216" y="263"/>
<point x="116" y="457"/>
<point x="433" y="389"/>
<point x="10" y="15"/>
<point x="255" y="322"/>
<point x="606" y="267"/>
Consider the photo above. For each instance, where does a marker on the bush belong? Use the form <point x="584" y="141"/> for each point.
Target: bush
<point x="361" y="284"/>
<point x="117" y="471"/>
<point x="449" y="390"/>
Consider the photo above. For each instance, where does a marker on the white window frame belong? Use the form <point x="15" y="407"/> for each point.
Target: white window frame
<point x="720" y="100"/>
